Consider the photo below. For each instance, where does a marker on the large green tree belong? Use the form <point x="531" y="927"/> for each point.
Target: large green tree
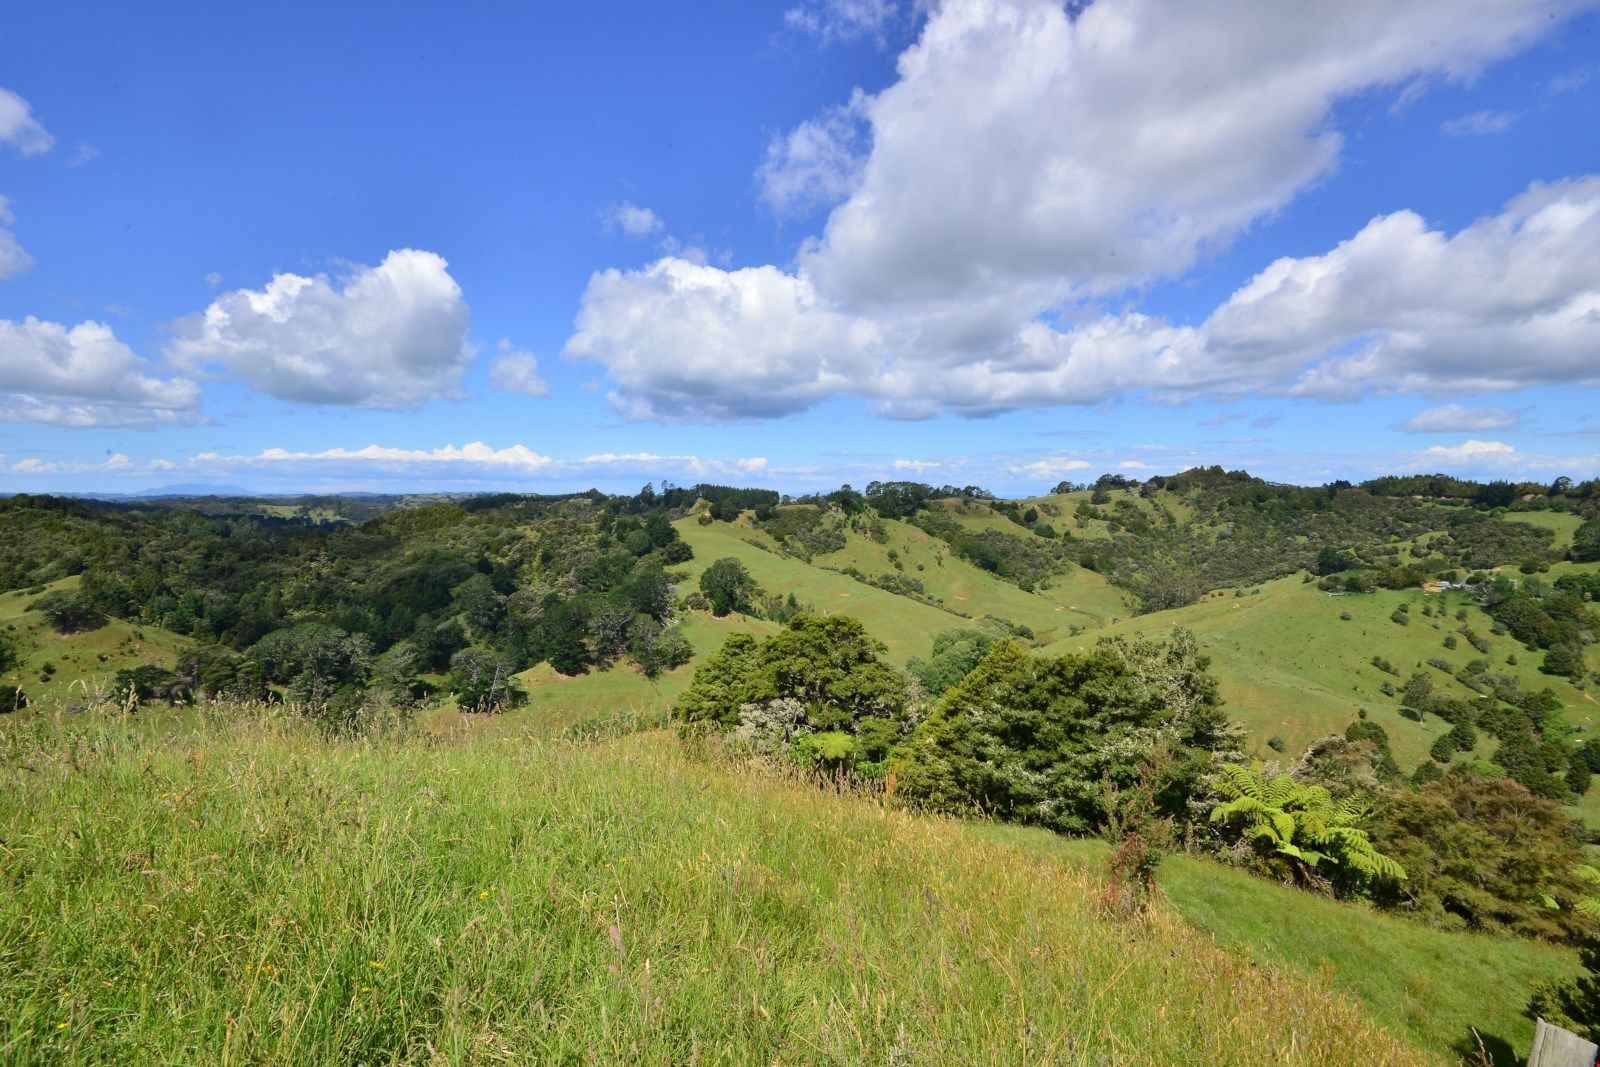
<point x="826" y="668"/>
<point x="728" y="586"/>
<point x="1485" y="854"/>
<point x="1037" y="740"/>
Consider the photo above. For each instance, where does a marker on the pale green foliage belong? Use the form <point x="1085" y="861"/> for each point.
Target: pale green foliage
<point x="1299" y="829"/>
<point x="1589" y="904"/>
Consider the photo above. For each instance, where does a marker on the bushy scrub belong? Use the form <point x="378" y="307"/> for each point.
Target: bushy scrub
<point x="818" y="692"/>
<point x="1485" y="854"/>
<point x="1035" y="740"/>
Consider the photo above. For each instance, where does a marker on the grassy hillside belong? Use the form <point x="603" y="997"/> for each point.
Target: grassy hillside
<point x="244" y="891"/>
<point x="906" y="626"/>
<point x="555" y="700"/>
<point x="1291" y="667"/>
<point x="84" y="662"/>
<point x="1433" y="988"/>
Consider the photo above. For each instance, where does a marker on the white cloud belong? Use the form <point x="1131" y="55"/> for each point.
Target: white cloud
<point x="14" y="259"/>
<point x="685" y="340"/>
<point x="818" y="162"/>
<point x="1481" y="123"/>
<point x="1049" y="467"/>
<point x="84" y="376"/>
<point x="213" y="279"/>
<point x="1512" y="300"/>
<point x="517" y="372"/>
<point x="835" y="21"/>
<point x="475" y="460"/>
<point x="18" y="127"/>
<point x="1024" y="144"/>
<point x="1454" y="418"/>
<point x="633" y="220"/>
<point x="1028" y="159"/>
<point x="1470" y="451"/>
<point x="389" y="337"/>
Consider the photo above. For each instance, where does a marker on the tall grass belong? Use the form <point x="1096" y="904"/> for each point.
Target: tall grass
<point x="241" y="889"/>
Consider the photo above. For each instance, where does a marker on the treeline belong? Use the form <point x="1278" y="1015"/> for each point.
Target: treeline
<point x="464" y="596"/>
<point x="1129" y="740"/>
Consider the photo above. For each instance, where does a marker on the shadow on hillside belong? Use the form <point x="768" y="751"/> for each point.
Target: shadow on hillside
<point x="1499" y="1050"/>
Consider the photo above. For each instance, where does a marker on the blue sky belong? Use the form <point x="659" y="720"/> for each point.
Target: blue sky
<point x="796" y="244"/>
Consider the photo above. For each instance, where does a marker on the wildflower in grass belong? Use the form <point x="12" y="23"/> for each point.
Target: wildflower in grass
<point x="376" y="965"/>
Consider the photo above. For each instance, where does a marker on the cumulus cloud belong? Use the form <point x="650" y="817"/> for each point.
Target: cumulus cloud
<point x="83" y="376"/>
<point x="1031" y="158"/>
<point x="818" y="162"/>
<point x="1470" y="451"/>
<point x="517" y="372"/>
<point x="1402" y="307"/>
<point x="1112" y="143"/>
<point x="18" y="127"/>
<point x="389" y="337"/>
<point x="631" y="219"/>
<point x="685" y="340"/>
<point x="1455" y="418"/>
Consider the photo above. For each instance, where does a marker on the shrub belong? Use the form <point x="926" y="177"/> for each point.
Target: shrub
<point x="728" y="586"/>
<point x="1034" y="740"/>
<point x="1299" y="832"/>
<point x="1486" y="854"/>
<point x="68" y="613"/>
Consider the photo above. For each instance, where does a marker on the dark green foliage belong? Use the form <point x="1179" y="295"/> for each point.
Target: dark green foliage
<point x="728" y="587"/>
<point x="68" y="613"/>
<point x="816" y="692"/>
<point x="148" y="681"/>
<point x="483" y="681"/>
<point x="1034" y="740"/>
<point x="1484" y="853"/>
<point x="1374" y="734"/>
<point x="1586" y="541"/>
<point x="320" y="665"/>
<point x="955" y="654"/>
<point x="721" y="683"/>
<point x="1442" y="749"/>
<point x="1573" y="1003"/>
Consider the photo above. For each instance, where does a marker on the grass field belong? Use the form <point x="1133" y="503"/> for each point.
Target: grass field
<point x="906" y="626"/>
<point x="241" y="890"/>
<point x="1291" y="667"/>
<point x="84" y="663"/>
<point x="1433" y="988"/>
<point x="1561" y="523"/>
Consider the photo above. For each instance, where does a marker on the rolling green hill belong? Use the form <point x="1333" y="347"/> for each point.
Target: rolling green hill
<point x="84" y="663"/>
<point x="1292" y="667"/>
<point x="240" y="889"/>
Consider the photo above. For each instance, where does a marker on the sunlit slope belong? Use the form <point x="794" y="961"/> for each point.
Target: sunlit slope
<point x="85" y="663"/>
<point x="250" y="892"/>
<point x="1075" y="597"/>
<point x="1434" y="987"/>
<point x="555" y="700"/>
<point x="906" y="626"/>
<point x="1291" y="667"/>
<point x="1561" y="523"/>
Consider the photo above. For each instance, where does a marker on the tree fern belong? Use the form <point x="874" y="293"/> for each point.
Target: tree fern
<point x="1300" y="829"/>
